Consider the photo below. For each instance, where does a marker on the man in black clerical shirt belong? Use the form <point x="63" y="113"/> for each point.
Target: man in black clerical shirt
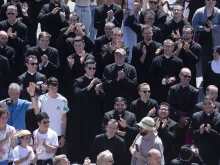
<point x="164" y="72"/>
<point x="108" y="50"/>
<point x="6" y="50"/>
<point x="119" y="79"/>
<point x="5" y="76"/>
<point x="149" y="18"/>
<point x="166" y="129"/>
<point x="205" y="132"/>
<point x="88" y="93"/>
<point x="188" y="51"/>
<point x="143" y="54"/>
<point x="144" y="106"/>
<point x="173" y="28"/>
<point x="17" y="37"/>
<point x="110" y="141"/>
<point x="52" y="18"/>
<point x="22" y="9"/>
<point x="46" y="55"/>
<point x="31" y="75"/>
<point x="182" y="98"/>
<point x="127" y="123"/>
<point x="211" y="90"/>
<point x="160" y="18"/>
<point x="108" y="12"/>
<point x="99" y="42"/>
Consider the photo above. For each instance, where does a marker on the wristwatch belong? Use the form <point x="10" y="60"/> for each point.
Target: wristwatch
<point x="63" y="136"/>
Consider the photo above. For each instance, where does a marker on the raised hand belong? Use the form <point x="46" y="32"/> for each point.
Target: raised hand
<point x="31" y="89"/>
<point x="122" y="122"/>
<point x="55" y="10"/>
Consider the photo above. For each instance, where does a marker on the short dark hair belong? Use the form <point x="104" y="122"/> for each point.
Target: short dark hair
<point x="89" y="62"/>
<point x="150" y="12"/>
<point x="143" y="84"/>
<point x="74" y="14"/>
<point x="52" y="81"/>
<point x="146" y="27"/>
<point x="208" y="97"/>
<point x="41" y="115"/>
<point x="78" y="39"/>
<point x="165" y="104"/>
<point x="31" y="56"/>
<point x="185" y="152"/>
<point x="44" y="34"/>
<point x="190" y="27"/>
<point x="120" y="99"/>
<point x="3" y="111"/>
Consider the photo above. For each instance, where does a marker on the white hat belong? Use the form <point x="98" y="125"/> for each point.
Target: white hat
<point x="147" y="123"/>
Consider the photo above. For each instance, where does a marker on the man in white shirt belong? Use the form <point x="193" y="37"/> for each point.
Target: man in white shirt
<point x="55" y="105"/>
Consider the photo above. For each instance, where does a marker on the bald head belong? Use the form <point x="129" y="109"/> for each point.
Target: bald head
<point x="212" y="90"/>
<point x="3" y="38"/>
<point x="185" y="70"/>
<point x="154" y="157"/>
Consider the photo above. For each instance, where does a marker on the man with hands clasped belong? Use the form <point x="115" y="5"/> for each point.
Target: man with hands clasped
<point x="127" y="128"/>
<point x="205" y="131"/>
<point x="166" y="129"/>
<point x="45" y="139"/>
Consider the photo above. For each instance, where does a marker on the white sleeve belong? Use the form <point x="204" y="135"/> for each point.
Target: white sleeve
<point x="55" y="141"/>
<point x="32" y="153"/>
<point x="16" y="154"/>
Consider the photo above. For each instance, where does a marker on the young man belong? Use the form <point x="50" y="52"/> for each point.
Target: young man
<point x="23" y="153"/>
<point x="56" y="106"/>
<point x="45" y="139"/>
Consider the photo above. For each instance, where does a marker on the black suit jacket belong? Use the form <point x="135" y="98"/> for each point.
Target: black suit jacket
<point x="131" y="129"/>
<point x="179" y="162"/>
<point x="198" y="107"/>
<point x="101" y="15"/>
<point x="102" y="143"/>
<point x="24" y="80"/>
<point x="5" y="76"/>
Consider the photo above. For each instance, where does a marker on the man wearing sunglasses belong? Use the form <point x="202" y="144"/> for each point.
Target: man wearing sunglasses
<point x="188" y="51"/>
<point x="31" y="75"/>
<point x="160" y="17"/>
<point x="56" y="106"/>
<point x="182" y="98"/>
<point x="88" y="93"/>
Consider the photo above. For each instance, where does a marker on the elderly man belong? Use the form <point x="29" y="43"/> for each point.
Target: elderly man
<point x="146" y="140"/>
<point x="18" y="107"/>
<point x="154" y="157"/>
<point x="119" y="79"/>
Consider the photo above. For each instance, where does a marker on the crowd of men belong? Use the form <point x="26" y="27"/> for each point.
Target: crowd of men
<point x="108" y="82"/>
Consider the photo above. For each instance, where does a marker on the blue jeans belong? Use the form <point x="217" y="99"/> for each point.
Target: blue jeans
<point x="92" y="30"/>
<point x="4" y="162"/>
<point x="84" y="17"/>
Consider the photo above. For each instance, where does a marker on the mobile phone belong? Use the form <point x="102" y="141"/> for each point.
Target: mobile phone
<point x="136" y="147"/>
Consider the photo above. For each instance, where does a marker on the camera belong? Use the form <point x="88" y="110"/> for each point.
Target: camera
<point x="9" y="102"/>
<point x="193" y="148"/>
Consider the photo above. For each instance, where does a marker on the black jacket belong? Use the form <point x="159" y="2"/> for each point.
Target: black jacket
<point x="131" y="128"/>
<point x="101" y="15"/>
<point x="198" y="107"/>
<point x="115" y="145"/>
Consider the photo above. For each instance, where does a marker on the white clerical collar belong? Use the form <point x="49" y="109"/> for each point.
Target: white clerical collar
<point x="120" y="65"/>
<point x="13" y="23"/>
<point x="43" y="49"/>
<point x="166" y="56"/>
<point x="81" y="53"/>
<point x="216" y="66"/>
<point x="31" y="73"/>
<point x="88" y="77"/>
<point x="2" y="46"/>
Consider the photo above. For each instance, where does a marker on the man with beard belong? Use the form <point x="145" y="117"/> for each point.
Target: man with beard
<point x="52" y="18"/>
<point x="144" y="106"/>
<point x="211" y="90"/>
<point x="46" y="55"/>
<point x="88" y="93"/>
<point x="146" y="140"/>
<point x="143" y="54"/>
<point x="109" y="141"/>
<point x="6" y="50"/>
<point x="149" y="18"/>
<point x="119" y="79"/>
<point x="166" y="129"/>
<point x="127" y="123"/>
<point x="188" y="51"/>
<point x="17" y="37"/>
<point x="205" y="132"/>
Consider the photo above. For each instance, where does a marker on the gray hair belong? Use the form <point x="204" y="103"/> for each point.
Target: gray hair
<point x="14" y="86"/>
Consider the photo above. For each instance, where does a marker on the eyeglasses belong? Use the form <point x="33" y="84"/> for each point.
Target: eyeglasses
<point x="212" y="0"/>
<point x="146" y="91"/>
<point x="112" y="161"/>
<point x="46" y="122"/>
<point x="10" y="13"/>
<point x="184" y="32"/>
<point x="154" y="2"/>
<point x="167" y="46"/>
<point x="186" y="76"/>
<point x="91" y="68"/>
<point x="151" y="19"/>
<point x="34" y="63"/>
<point x="177" y="10"/>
